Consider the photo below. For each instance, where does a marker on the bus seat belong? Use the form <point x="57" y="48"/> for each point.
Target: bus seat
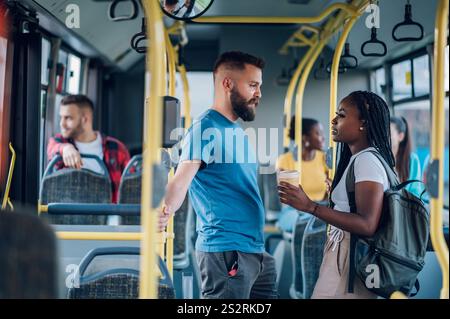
<point x="270" y="196"/>
<point x="130" y="184"/>
<point x="117" y="276"/>
<point x="130" y="193"/>
<point x="313" y="243"/>
<point x="296" y="289"/>
<point x="28" y="261"/>
<point x="70" y="185"/>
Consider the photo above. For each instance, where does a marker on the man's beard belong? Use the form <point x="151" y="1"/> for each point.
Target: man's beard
<point x="240" y="106"/>
<point x="74" y="133"/>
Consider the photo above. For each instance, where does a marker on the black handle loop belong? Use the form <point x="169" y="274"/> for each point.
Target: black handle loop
<point x="133" y="13"/>
<point x="408" y="22"/>
<point x="349" y="58"/>
<point x="320" y="72"/>
<point x="373" y="39"/>
<point x="341" y="69"/>
<point x="138" y="38"/>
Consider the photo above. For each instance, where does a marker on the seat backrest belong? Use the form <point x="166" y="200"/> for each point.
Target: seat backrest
<point x="130" y="184"/>
<point x="28" y="262"/>
<point x="130" y="193"/>
<point x="70" y="185"/>
<point x="119" y="278"/>
<point x="313" y="243"/>
<point x="296" y="251"/>
<point x="267" y="184"/>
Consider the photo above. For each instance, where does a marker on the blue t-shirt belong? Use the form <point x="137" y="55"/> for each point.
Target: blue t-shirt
<point x="224" y="192"/>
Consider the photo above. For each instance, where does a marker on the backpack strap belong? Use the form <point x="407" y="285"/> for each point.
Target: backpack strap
<point x="350" y="187"/>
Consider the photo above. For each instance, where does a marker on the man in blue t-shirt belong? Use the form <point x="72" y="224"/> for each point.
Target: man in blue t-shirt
<point x="219" y="168"/>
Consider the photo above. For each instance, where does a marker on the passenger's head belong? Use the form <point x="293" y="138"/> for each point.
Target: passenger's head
<point x="312" y="133"/>
<point x="362" y="119"/>
<point x="238" y="80"/>
<point x="401" y="146"/>
<point x="170" y="5"/>
<point x="76" y="112"/>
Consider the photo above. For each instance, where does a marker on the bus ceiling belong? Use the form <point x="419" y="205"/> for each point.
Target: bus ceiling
<point x="106" y="29"/>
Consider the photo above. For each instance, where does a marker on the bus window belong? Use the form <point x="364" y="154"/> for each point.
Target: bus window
<point x="378" y="82"/>
<point x="200" y="90"/>
<point x="421" y="79"/>
<point x="45" y="71"/>
<point x="418" y="116"/>
<point x="73" y="74"/>
<point x="401" y="81"/>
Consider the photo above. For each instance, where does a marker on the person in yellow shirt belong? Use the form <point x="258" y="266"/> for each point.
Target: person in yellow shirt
<point x="314" y="170"/>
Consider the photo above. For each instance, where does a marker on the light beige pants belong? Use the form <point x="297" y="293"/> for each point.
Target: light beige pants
<point x="333" y="276"/>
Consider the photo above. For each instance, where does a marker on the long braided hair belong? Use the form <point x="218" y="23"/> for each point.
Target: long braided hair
<point x="375" y="112"/>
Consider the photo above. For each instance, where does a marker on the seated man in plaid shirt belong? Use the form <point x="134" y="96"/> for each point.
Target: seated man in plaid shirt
<point x="78" y="136"/>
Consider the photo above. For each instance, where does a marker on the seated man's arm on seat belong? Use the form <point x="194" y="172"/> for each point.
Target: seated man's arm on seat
<point x="71" y="157"/>
<point x="176" y="190"/>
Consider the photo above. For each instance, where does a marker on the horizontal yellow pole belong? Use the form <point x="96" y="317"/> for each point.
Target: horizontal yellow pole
<point x="280" y="20"/>
<point x="74" y="235"/>
<point x="116" y="236"/>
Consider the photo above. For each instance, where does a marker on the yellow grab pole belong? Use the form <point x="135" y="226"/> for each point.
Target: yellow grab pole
<point x="186" y="96"/>
<point x="156" y="67"/>
<point x="290" y="93"/>
<point x="6" y="199"/>
<point x="171" y="61"/>
<point x="437" y="141"/>
<point x="170" y="237"/>
<point x="333" y="85"/>
<point x="266" y="20"/>
<point x="299" y="100"/>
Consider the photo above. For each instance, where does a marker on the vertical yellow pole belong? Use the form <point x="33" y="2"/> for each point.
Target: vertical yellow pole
<point x="187" y="98"/>
<point x="437" y="141"/>
<point x="155" y="65"/>
<point x="299" y="101"/>
<point x="290" y="93"/>
<point x="170" y="226"/>
<point x="333" y="85"/>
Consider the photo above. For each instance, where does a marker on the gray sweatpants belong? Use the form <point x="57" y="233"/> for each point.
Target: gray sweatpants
<point x="237" y="275"/>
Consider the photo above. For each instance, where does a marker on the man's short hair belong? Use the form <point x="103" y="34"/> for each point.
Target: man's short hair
<point x="236" y="60"/>
<point x="82" y="101"/>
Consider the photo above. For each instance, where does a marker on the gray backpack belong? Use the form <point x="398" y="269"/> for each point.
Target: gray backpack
<point x="392" y="258"/>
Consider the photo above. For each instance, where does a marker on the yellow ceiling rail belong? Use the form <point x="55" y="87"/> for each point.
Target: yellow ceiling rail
<point x="286" y="20"/>
<point x="438" y="140"/>
<point x="156" y="67"/>
<point x="6" y="199"/>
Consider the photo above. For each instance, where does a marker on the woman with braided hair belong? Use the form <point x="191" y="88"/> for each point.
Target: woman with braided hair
<point x="361" y="127"/>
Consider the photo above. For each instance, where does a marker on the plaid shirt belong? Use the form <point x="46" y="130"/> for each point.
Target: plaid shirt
<point x="115" y="156"/>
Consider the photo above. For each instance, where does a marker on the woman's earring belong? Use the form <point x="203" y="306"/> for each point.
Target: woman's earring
<point x="306" y="144"/>
<point x="361" y="128"/>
